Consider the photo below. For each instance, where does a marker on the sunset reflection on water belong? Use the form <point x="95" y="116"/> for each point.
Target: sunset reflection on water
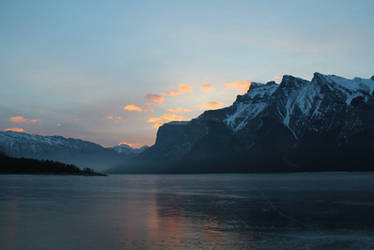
<point x="187" y="212"/>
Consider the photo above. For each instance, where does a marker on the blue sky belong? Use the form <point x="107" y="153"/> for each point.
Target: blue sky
<point x="70" y="67"/>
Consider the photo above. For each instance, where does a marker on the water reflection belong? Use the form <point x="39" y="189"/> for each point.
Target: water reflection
<point x="172" y="212"/>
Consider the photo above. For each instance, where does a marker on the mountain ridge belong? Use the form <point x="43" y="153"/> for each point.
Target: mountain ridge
<point x="273" y="125"/>
<point x="67" y="150"/>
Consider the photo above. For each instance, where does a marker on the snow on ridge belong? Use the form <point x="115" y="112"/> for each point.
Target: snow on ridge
<point x="259" y="90"/>
<point x="255" y="102"/>
<point x="351" y="88"/>
<point x="305" y="96"/>
<point x="11" y="138"/>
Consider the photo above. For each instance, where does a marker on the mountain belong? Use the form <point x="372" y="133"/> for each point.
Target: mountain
<point x="326" y="124"/>
<point x="67" y="150"/>
<point x="128" y="150"/>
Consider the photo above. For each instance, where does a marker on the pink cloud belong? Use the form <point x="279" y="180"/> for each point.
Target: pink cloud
<point x="14" y="129"/>
<point x="179" y="110"/>
<point x="182" y="89"/>
<point x="21" y="119"/>
<point x="133" y="145"/>
<point x="158" y="121"/>
<point x="278" y="78"/>
<point x="211" y="105"/>
<point x="242" y="85"/>
<point x="149" y="111"/>
<point x="155" y="98"/>
<point x="207" y="87"/>
<point x="132" y="107"/>
<point x="115" y="119"/>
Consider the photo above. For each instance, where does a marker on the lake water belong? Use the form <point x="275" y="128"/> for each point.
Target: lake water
<point x="251" y="211"/>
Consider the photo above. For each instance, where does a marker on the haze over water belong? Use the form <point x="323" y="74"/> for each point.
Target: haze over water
<point x="270" y="211"/>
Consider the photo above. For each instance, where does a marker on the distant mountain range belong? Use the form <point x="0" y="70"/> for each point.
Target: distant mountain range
<point x="67" y="150"/>
<point x="326" y="124"/>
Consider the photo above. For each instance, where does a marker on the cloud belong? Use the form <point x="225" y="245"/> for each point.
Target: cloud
<point x="148" y="105"/>
<point x="148" y="111"/>
<point x="155" y="98"/>
<point x="14" y="129"/>
<point x="242" y="85"/>
<point x="278" y="78"/>
<point x="115" y="119"/>
<point x="58" y="125"/>
<point x="21" y="119"/>
<point x="207" y="87"/>
<point x="158" y="121"/>
<point x="182" y="89"/>
<point x="211" y="105"/>
<point x="179" y="110"/>
<point x="132" y="107"/>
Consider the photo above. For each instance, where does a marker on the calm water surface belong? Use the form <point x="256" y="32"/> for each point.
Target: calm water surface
<point x="270" y="211"/>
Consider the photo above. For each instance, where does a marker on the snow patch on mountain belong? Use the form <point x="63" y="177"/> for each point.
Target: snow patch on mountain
<point x="248" y="106"/>
<point x="296" y="95"/>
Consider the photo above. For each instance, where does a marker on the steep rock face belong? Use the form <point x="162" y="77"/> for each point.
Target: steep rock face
<point x="68" y="150"/>
<point x="323" y="124"/>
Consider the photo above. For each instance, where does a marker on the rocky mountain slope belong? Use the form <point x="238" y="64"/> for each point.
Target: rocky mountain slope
<point x="68" y="150"/>
<point x="326" y="124"/>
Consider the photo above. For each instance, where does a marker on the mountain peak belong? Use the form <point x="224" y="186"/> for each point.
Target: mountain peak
<point x="291" y="82"/>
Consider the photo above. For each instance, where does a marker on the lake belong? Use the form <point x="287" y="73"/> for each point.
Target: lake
<point x="232" y="211"/>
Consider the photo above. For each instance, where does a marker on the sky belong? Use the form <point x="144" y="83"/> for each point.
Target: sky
<point x="112" y="72"/>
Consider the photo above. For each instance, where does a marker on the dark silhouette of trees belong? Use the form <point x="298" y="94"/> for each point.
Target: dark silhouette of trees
<point x="9" y="165"/>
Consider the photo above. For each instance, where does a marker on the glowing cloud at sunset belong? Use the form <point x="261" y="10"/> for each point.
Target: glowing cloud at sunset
<point x="148" y="111"/>
<point x="242" y="85"/>
<point x="182" y="89"/>
<point x="179" y="110"/>
<point x="115" y="119"/>
<point x="211" y="105"/>
<point x="155" y="98"/>
<point x="278" y="78"/>
<point x="132" y="108"/>
<point x="206" y="87"/>
<point x="158" y="121"/>
<point x="21" y="119"/>
<point x="14" y="129"/>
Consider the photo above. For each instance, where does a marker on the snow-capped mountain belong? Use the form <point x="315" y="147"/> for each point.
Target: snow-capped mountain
<point x="323" y="124"/>
<point x="68" y="150"/>
<point x="126" y="149"/>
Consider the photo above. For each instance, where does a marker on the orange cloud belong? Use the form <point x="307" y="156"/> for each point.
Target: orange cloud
<point x="115" y="119"/>
<point x="157" y="124"/>
<point x="207" y="87"/>
<point x="211" y="105"/>
<point x="278" y="78"/>
<point x="132" y="107"/>
<point x="148" y="105"/>
<point x="182" y="89"/>
<point x="158" y="121"/>
<point x="21" y="119"/>
<point x="155" y="98"/>
<point x="133" y="145"/>
<point x="58" y="125"/>
<point x="243" y="85"/>
<point x="14" y="129"/>
<point x="179" y="110"/>
<point x="148" y="111"/>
